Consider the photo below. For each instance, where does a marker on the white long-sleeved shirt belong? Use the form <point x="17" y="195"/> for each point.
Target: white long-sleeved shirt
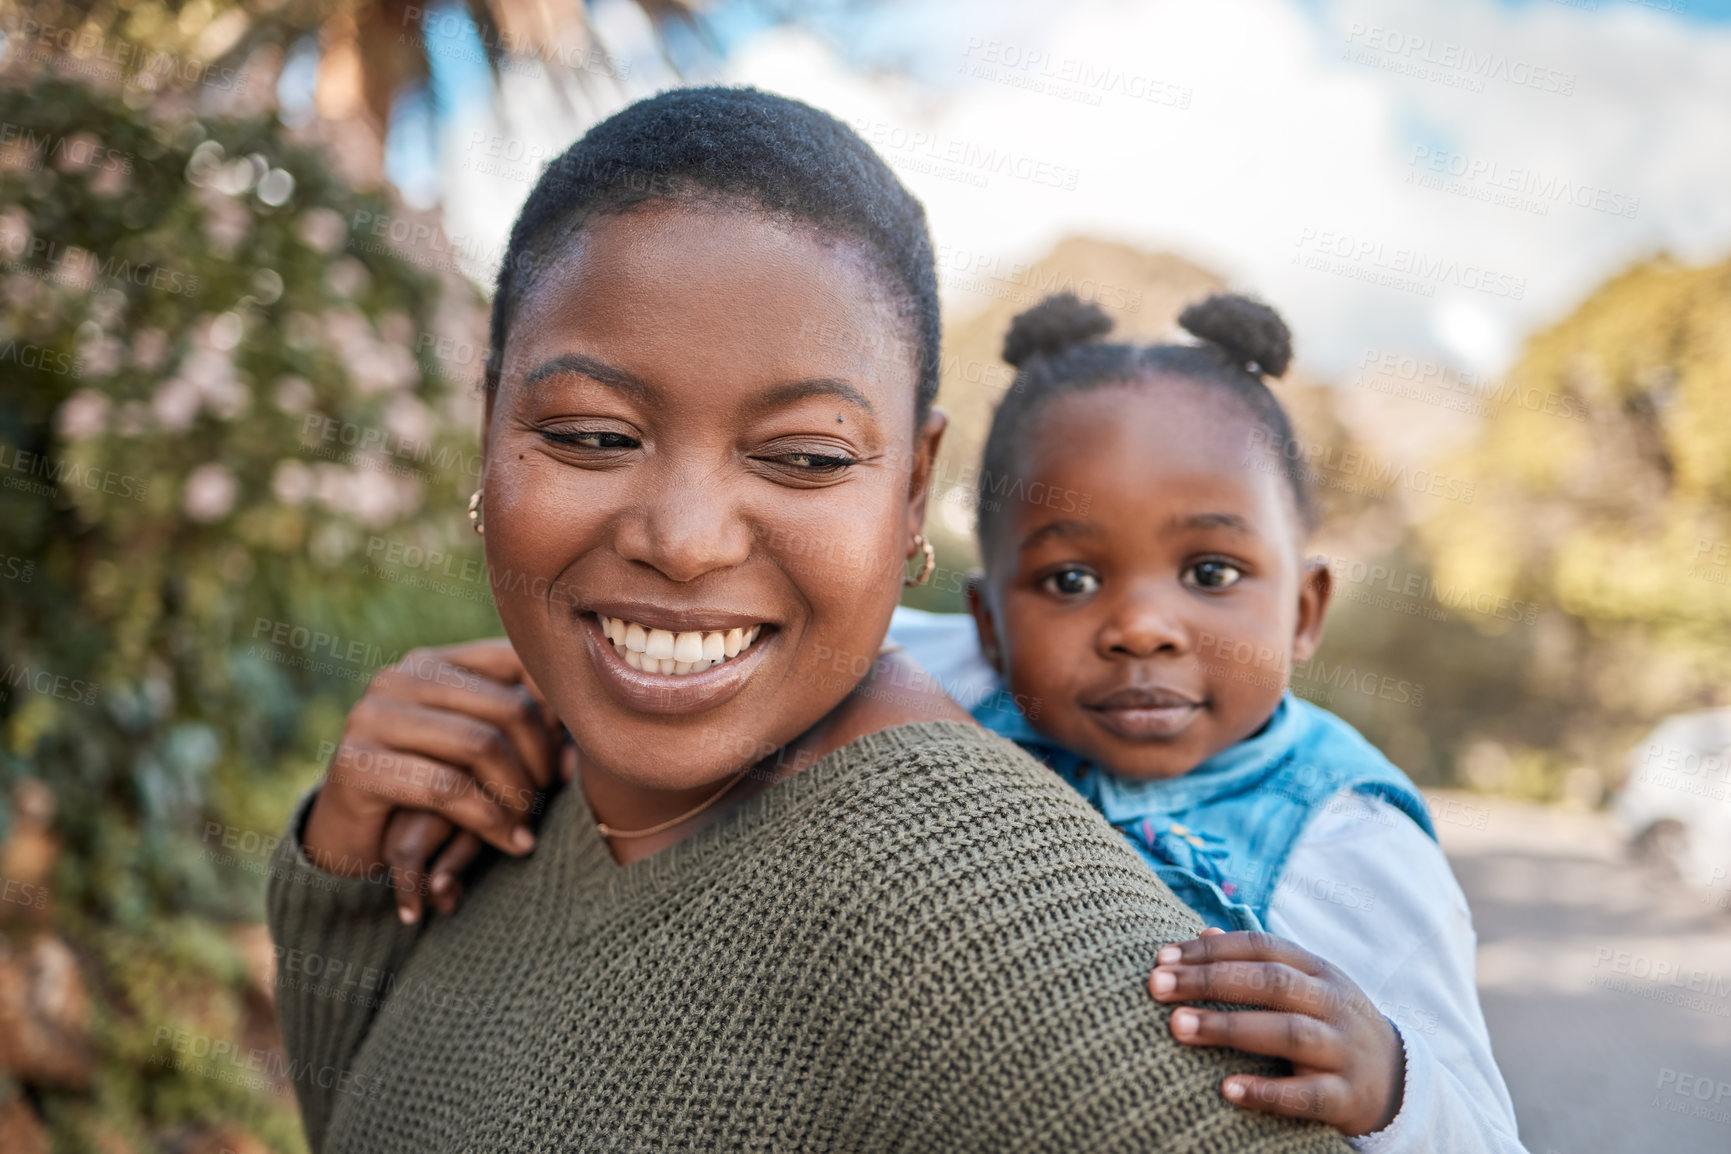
<point x="1367" y="890"/>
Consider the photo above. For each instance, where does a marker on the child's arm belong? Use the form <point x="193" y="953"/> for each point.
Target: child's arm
<point x="1368" y="890"/>
<point x="1348" y="1064"/>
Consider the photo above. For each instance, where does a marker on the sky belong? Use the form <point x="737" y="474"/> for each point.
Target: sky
<point x="1437" y="178"/>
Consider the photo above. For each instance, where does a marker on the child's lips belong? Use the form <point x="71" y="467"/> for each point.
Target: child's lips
<point x="1138" y="713"/>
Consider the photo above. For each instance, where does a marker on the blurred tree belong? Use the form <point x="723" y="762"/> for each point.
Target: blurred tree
<point x="1604" y="489"/>
<point x="235" y="446"/>
<point x="370" y="52"/>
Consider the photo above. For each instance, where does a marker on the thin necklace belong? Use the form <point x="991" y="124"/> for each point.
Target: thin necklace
<point x="609" y="831"/>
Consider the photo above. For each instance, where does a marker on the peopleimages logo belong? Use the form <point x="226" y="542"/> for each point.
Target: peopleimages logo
<point x="1444" y="60"/>
<point x="1365" y="258"/>
<point x="1515" y="181"/>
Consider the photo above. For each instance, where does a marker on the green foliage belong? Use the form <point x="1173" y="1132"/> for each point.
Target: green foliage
<point x="225" y="443"/>
<point x="1620" y="520"/>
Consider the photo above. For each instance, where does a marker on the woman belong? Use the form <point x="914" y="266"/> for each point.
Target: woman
<point x="708" y="438"/>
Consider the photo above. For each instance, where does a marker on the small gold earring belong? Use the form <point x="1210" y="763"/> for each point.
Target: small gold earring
<point x="926" y="569"/>
<point x="475" y="512"/>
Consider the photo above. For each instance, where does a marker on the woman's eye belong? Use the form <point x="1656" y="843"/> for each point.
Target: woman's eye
<point x="1214" y="575"/>
<point x="814" y="462"/>
<point x="1070" y="582"/>
<point x="592" y="439"/>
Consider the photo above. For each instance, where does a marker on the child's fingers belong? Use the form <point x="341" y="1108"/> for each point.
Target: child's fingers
<point x="411" y="781"/>
<point x="1241" y="946"/>
<point x="484" y="721"/>
<point x="411" y="838"/>
<point x="1271" y="985"/>
<point x="568" y="761"/>
<point x="1319" y="1096"/>
<point x="1302" y="1040"/>
<point x="451" y="862"/>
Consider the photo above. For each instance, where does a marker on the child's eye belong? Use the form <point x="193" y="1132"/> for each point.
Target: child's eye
<point x="1071" y="582"/>
<point x="1213" y="575"/>
<point x="591" y="439"/>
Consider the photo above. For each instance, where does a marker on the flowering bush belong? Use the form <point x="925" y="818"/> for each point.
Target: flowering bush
<point x="236" y="437"/>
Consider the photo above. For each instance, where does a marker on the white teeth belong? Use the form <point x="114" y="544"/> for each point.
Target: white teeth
<point x="664" y="651"/>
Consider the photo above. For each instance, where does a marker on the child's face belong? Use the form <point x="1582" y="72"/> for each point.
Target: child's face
<point x="1146" y="596"/>
<point x="685" y="438"/>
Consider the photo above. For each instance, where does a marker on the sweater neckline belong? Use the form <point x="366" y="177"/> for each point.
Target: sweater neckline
<point x="589" y="877"/>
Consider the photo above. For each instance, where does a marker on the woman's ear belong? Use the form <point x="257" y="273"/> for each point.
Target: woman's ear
<point x="984" y="624"/>
<point x="1315" y="587"/>
<point x="927" y="438"/>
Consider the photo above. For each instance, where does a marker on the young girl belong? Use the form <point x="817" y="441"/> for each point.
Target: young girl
<point x="1145" y="599"/>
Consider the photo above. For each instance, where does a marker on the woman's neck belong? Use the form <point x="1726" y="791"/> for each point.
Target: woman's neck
<point x="895" y="692"/>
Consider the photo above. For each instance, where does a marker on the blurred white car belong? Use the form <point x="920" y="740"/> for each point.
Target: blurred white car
<point x="1676" y="803"/>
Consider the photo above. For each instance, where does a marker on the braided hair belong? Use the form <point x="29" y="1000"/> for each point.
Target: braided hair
<point x="730" y="146"/>
<point x="1056" y="350"/>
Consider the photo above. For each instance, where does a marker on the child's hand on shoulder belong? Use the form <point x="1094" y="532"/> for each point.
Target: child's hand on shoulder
<point x="1348" y="1063"/>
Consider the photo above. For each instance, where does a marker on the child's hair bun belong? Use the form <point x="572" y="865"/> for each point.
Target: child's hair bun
<point x="1250" y="333"/>
<point x="1053" y="325"/>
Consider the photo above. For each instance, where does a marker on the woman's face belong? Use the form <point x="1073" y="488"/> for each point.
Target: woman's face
<point x="701" y="458"/>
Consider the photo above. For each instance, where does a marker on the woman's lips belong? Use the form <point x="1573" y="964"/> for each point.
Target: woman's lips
<point x="681" y="653"/>
<point x="1135" y="713"/>
<point x="689" y="692"/>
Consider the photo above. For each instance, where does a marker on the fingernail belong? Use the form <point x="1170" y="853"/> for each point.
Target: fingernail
<point x="1234" y="1090"/>
<point x="406" y="914"/>
<point x="441" y="883"/>
<point x="1185" y="1023"/>
<point x="1165" y="981"/>
<point x="523" y="839"/>
<point x="1169" y="955"/>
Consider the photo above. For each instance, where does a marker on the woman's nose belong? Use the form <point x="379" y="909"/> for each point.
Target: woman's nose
<point x="687" y="528"/>
<point x="1142" y="625"/>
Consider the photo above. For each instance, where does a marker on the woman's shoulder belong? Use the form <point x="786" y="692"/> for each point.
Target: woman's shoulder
<point x="944" y="809"/>
<point x="955" y="767"/>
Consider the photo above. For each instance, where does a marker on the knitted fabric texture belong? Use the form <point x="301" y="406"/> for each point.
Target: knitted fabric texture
<point x="922" y="942"/>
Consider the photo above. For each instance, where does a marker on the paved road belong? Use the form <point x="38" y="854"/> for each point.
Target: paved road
<point x="1606" y="985"/>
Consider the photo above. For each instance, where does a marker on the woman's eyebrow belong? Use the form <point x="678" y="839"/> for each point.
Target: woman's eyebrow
<point x="598" y="371"/>
<point x="782" y="395"/>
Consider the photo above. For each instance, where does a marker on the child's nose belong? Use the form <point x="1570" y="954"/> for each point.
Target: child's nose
<point x="1143" y="626"/>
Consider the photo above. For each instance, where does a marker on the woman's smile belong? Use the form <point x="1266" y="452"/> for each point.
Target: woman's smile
<point x="628" y="657"/>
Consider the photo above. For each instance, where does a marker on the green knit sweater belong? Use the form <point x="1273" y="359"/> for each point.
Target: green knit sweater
<point x="923" y="942"/>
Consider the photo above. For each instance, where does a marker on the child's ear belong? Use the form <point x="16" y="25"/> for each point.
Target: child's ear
<point x="927" y="438"/>
<point x="984" y="625"/>
<point x="1315" y="587"/>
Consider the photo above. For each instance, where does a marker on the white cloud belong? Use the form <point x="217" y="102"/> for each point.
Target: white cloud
<point x="1291" y="151"/>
